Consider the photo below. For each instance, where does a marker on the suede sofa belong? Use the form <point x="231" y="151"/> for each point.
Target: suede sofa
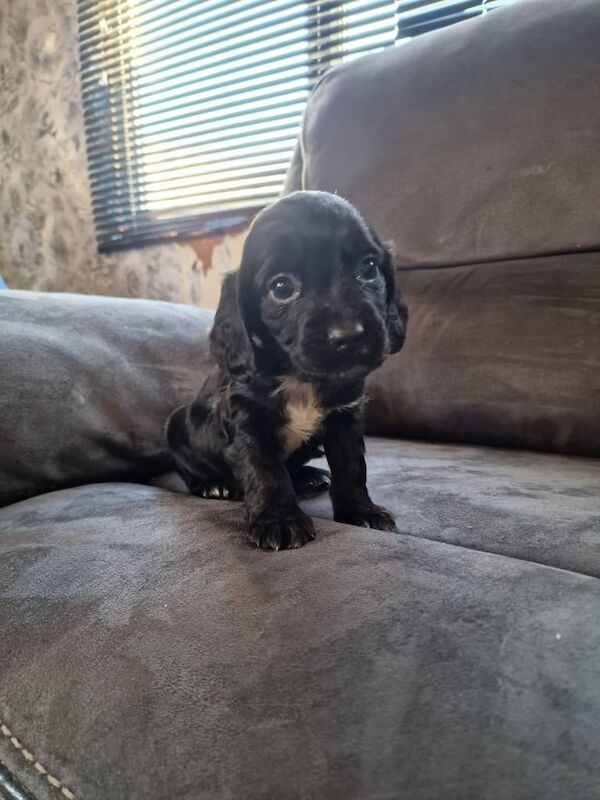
<point x="147" y="652"/>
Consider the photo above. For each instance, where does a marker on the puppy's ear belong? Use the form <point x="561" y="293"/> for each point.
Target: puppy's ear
<point x="396" y="320"/>
<point x="396" y="309"/>
<point x="229" y="341"/>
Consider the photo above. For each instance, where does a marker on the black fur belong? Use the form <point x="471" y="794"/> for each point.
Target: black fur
<point x="344" y="316"/>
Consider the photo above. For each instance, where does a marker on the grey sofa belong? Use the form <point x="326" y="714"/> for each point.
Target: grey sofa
<point x="147" y="652"/>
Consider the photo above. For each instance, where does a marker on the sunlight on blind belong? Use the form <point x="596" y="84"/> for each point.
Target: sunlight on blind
<point x="212" y="164"/>
<point x="261" y="84"/>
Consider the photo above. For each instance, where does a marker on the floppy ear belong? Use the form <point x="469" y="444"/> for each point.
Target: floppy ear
<point x="229" y="341"/>
<point x="396" y="317"/>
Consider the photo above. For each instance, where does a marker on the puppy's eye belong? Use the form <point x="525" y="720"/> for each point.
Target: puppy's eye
<point x="367" y="271"/>
<point x="284" y="288"/>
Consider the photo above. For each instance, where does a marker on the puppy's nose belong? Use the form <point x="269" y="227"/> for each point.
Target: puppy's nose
<point x="342" y="334"/>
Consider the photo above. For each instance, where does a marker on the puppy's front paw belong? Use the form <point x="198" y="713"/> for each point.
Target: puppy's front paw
<point x="368" y="517"/>
<point x="286" y="530"/>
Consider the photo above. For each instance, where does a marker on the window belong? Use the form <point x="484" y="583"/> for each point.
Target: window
<point x="192" y="107"/>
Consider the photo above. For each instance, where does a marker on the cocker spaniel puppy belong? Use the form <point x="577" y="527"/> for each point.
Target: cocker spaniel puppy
<point x="311" y="311"/>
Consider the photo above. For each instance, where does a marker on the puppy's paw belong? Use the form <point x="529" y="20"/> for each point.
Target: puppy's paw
<point x="310" y="481"/>
<point x="286" y="530"/>
<point x="216" y="491"/>
<point x="368" y="517"/>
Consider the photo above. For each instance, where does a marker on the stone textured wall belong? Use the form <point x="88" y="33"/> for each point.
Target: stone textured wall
<point x="46" y="229"/>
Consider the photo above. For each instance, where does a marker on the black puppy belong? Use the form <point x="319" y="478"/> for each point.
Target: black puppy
<point x="311" y="311"/>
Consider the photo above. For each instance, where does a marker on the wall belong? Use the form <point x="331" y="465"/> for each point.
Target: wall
<point x="46" y="229"/>
<point x="217" y="255"/>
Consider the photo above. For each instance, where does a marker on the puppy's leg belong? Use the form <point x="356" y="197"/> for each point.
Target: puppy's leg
<point x="345" y="451"/>
<point x="308" y="481"/>
<point x="189" y="437"/>
<point x="275" y="520"/>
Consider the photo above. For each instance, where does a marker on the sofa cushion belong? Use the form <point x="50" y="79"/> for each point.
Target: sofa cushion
<point x="148" y="652"/>
<point x="504" y="354"/>
<point x="87" y="384"/>
<point x="477" y="142"/>
<point x="538" y="507"/>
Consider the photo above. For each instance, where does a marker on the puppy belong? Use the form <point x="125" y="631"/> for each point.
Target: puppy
<point x="312" y="310"/>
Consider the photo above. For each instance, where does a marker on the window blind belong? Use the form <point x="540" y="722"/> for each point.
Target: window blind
<point x="192" y="107"/>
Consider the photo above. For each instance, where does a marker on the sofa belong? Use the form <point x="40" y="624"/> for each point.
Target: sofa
<point x="148" y="652"/>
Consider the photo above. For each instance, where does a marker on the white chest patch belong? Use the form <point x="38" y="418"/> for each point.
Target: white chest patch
<point x="303" y="413"/>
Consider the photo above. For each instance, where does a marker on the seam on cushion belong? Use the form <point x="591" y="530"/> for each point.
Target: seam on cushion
<point x="302" y="136"/>
<point x="35" y="763"/>
<point x="456" y="546"/>
<point x="498" y="553"/>
<point x="490" y="260"/>
<point x="160" y="464"/>
<point x="233" y="508"/>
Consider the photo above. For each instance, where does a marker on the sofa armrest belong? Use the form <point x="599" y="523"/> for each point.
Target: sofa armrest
<point x="87" y="384"/>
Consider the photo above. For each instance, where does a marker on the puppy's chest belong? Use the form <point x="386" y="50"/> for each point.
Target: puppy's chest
<point x="303" y="413"/>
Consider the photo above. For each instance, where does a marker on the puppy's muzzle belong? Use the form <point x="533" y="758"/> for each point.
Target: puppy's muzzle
<point x="342" y="342"/>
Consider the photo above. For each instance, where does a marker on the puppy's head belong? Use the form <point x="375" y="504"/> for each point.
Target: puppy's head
<point x="314" y="297"/>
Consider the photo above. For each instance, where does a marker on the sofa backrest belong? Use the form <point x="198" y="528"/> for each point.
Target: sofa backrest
<point x="475" y="149"/>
